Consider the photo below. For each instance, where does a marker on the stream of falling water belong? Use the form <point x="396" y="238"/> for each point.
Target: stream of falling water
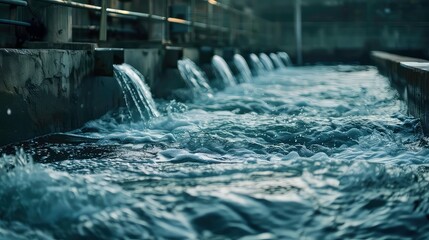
<point x="322" y="152"/>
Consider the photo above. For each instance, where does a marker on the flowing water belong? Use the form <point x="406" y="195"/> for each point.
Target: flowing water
<point x="324" y="152"/>
<point x="245" y="75"/>
<point x="256" y="64"/>
<point x="285" y="58"/>
<point x="276" y="60"/>
<point x="136" y="93"/>
<point x="266" y="61"/>
<point x="194" y="77"/>
<point x="223" y="72"/>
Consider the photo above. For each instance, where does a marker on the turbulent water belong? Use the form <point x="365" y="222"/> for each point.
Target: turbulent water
<point x="136" y="93"/>
<point x="266" y="61"/>
<point x="194" y="78"/>
<point x="245" y="74"/>
<point x="302" y="153"/>
<point x="276" y="60"/>
<point x="257" y="66"/>
<point x="285" y="58"/>
<point x="223" y="72"/>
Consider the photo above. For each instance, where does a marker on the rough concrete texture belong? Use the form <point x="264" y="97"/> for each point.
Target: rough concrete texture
<point x="411" y="77"/>
<point x="147" y="61"/>
<point x="45" y="91"/>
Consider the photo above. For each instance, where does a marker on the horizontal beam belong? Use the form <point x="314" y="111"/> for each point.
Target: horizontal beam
<point x="15" y="23"/>
<point x="15" y="2"/>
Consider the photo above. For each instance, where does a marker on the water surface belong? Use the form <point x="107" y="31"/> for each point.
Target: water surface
<point x="300" y="153"/>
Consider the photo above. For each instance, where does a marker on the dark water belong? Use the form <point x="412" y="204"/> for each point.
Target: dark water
<point x="304" y="153"/>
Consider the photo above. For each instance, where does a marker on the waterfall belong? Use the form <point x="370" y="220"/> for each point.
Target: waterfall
<point x="266" y="62"/>
<point x="257" y="65"/>
<point x="222" y="71"/>
<point x="243" y="68"/>
<point x="276" y="60"/>
<point x="194" y="77"/>
<point x="136" y="92"/>
<point x="285" y="58"/>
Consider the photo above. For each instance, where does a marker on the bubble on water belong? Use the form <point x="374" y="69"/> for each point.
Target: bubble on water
<point x="9" y="111"/>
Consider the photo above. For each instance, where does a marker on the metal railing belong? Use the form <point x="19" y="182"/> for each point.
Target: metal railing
<point x="22" y="3"/>
<point x="14" y="2"/>
<point x="208" y="20"/>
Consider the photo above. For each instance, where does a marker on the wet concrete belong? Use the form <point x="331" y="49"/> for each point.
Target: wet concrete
<point x="50" y="90"/>
<point x="410" y="76"/>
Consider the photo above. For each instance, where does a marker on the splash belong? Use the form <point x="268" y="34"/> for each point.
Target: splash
<point x="328" y="152"/>
<point x="20" y="159"/>
<point x="241" y="64"/>
<point x="136" y="93"/>
<point x="194" y="77"/>
<point x="268" y="64"/>
<point x="257" y="64"/>
<point x="276" y="60"/>
<point x="285" y="58"/>
<point x="222" y="71"/>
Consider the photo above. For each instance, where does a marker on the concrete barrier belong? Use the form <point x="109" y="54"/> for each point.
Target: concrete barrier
<point x="51" y="90"/>
<point x="148" y="61"/>
<point x="410" y="76"/>
<point x="60" y="86"/>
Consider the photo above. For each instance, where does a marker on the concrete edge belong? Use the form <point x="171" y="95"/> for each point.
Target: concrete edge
<point x="410" y="76"/>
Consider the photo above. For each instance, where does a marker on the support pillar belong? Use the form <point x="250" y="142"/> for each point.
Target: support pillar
<point x="166" y="38"/>
<point x="298" y="31"/>
<point x="103" y="21"/>
<point x="59" y="24"/>
<point x="192" y="18"/>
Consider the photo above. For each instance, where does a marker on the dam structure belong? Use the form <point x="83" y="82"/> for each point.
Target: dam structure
<point x="214" y="119"/>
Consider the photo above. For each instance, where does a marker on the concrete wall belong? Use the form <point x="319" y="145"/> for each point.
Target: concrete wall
<point x="411" y="77"/>
<point x="51" y="90"/>
<point x="148" y="62"/>
<point x="44" y="91"/>
<point x="353" y="41"/>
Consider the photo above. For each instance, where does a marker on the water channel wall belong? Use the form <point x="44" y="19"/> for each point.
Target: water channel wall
<point x="50" y="90"/>
<point x="59" y="87"/>
<point x="410" y="76"/>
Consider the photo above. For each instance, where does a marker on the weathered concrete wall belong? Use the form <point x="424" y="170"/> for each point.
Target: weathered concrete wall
<point x="411" y="77"/>
<point x="147" y="61"/>
<point x="44" y="91"/>
<point x="50" y="90"/>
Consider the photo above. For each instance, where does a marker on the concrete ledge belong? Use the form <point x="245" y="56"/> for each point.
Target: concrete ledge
<point x="389" y="65"/>
<point x="411" y="77"/>
<point x="63" y="46"/>
<point x="46" y="91"/>
<point x="105" y="58"/>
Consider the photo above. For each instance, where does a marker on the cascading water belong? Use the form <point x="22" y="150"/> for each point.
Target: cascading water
<point x="285" y="58"/>
<point x="194" y="77"/>
<point x="276" y="60"/>
<point x="266" y="62"/>
<point x="136" y="93"/>
<point x="327" y="153"/>
<point x="243" y="68"/>
<point x="222" y="71"/>
<point x="256" y="64"/>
